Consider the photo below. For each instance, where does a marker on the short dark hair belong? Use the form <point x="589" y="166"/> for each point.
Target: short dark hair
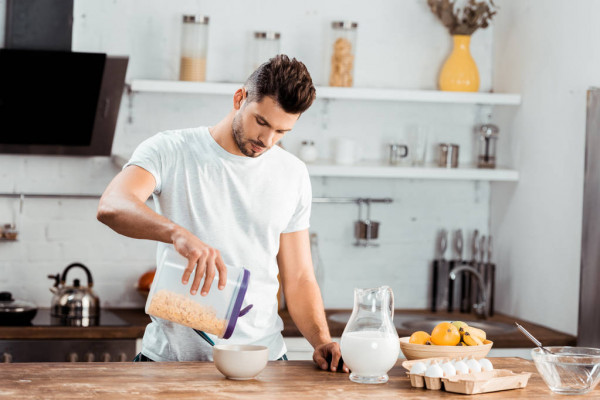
<point x="286" y="81"/>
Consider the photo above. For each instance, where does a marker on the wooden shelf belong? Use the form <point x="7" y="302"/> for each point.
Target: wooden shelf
<point x="326" y="92"/>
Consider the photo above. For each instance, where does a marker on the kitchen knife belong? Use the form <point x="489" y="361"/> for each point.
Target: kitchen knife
<point x="490" y="277"/>
<point x="439" y="268"/>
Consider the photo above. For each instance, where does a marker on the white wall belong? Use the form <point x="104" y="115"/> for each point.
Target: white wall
<point x="550" y="55"/>
<point x="400" y="45"/>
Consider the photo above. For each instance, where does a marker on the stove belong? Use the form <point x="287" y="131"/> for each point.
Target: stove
<point x="107" y="318"/>
<point x="69" y="350"/>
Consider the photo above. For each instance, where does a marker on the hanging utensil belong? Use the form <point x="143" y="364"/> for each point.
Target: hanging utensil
<point x="365" y="230"/>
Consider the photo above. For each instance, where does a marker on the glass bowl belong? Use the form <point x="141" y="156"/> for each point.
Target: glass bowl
<point x="569" y="370"/>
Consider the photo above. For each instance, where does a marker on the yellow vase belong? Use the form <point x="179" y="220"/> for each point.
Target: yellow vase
<point x="459" y="73"/>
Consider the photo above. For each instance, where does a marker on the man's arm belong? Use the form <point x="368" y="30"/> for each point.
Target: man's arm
<point x="123" y="208"/>
<point x="303" y="297"/>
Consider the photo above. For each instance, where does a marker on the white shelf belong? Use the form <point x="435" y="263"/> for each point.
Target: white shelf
<point x="377" y="170"/>
<point x="326" y="92"/>
<point x="374" y="170"/>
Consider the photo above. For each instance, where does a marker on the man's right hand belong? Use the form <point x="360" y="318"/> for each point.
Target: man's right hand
<point x="206" y="260"/>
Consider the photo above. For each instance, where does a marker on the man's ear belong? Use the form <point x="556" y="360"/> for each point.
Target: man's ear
<point x="239" y="97"/>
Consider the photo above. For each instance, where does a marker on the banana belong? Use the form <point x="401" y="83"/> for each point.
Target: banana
<point x="474" y="332"/>
<point x="471" y="340"/>
<point x="480" y="333"/>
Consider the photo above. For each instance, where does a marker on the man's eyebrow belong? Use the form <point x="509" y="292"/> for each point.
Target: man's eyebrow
<point x="264" y="121"/>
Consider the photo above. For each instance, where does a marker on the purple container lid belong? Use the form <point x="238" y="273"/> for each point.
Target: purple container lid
<point x="236" y="312"/>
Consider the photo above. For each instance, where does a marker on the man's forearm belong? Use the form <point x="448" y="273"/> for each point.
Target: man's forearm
<point x="131" y="217"/>
<point x="305" y="305"/>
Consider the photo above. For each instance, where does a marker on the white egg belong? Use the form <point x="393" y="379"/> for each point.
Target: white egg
<point x="418" y="368"/>
<point x="486" y="364"/>
<point x="461" y="367"/>
<point x="434" y="371"/>
<point x="449" y="369"/>
<point x="473" y="365"/>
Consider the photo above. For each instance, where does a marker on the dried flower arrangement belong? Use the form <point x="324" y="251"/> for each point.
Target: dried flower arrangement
<point x="466" y="19"/>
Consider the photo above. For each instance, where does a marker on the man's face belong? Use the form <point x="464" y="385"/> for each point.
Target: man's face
<point x="257" y="126"/>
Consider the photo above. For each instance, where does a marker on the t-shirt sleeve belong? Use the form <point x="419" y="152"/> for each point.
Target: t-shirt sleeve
<point x="301" y="218"/>
<point x="152" y="156"/>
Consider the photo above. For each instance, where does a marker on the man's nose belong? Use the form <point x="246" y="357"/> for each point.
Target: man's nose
<point x="267" y="137"/>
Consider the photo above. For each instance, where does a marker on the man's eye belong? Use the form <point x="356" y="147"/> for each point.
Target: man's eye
<point x="261" y="123"/>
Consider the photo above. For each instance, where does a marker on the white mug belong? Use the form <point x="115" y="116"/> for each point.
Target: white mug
<point x="345" y="151"/>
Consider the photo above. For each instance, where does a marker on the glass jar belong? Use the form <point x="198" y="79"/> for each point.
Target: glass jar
<point x="308" y="151"/>
<point x="265" y="45"/>
<point x="194" y="44"/>
<point x="488" y="135"/>
<point x="341" y="53"/>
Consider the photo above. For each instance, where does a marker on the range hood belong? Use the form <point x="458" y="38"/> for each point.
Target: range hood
<point x="58" y="102"/>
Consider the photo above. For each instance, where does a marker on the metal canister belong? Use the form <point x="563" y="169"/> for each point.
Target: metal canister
<point x="448" y="155"/>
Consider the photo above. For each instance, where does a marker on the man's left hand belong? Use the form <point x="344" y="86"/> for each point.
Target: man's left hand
<point x="329" y="357"/>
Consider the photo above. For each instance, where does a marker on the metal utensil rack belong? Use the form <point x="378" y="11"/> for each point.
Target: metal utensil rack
<point x="366" y="240"/>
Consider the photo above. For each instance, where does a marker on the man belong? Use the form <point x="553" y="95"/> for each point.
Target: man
<point x="227" y="194"/>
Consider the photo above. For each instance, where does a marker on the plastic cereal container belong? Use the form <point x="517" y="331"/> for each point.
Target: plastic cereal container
<point x="216" y="313"/>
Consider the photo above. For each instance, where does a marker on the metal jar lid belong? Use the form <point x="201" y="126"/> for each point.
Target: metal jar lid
<point x="344" y="25"/>
<point x="10" y="305"/>
<point x="267" y="35"/>
<point x="489" y="130"/>
<point x="196" y="19"/>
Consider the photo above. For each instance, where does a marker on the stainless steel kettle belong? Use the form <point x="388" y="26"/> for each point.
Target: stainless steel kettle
<point x="74" y="305"/>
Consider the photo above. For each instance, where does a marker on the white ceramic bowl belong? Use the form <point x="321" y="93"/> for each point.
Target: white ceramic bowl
<point x="240" y="361"/>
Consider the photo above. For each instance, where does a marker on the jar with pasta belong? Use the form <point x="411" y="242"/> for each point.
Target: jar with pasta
<point x="342" y="53"/>
<point x="216" y="313"/>
<point x="194" y="43"/>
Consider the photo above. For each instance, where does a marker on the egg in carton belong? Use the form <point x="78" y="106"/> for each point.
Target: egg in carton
<point x="466" y="376"/>
<point x="430" y="372"/>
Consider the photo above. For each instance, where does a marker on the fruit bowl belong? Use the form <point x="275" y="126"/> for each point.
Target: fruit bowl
<point x="416" y="351"/>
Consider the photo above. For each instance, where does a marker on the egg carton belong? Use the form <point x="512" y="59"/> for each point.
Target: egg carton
<point x="471" y="383"/>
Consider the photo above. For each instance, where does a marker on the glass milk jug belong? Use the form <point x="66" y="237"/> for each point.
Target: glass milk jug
<point x="370" y="344"/>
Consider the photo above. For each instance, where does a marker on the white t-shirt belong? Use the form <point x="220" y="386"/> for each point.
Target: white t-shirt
<point x="236" y="204"/>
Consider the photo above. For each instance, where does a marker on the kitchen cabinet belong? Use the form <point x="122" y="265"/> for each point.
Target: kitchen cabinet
<point x="289" y="379"/>
<point x="372" y="169"/>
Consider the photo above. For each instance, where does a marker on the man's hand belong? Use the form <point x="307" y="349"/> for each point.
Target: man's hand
<point x="329" y="357"/>
<point x="202" y="257"/>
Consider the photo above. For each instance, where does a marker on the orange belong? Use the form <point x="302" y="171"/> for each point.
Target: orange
<point x="146" y="280"/>
<point x="419" y="337"/>
<point x="445" y="334"/>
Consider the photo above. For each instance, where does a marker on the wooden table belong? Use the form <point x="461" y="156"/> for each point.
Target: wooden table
<point x="194" y="380"/>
